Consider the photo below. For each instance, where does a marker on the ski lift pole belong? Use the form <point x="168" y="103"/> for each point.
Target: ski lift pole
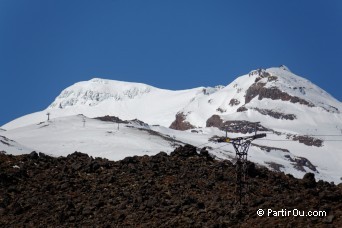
<point x="241" y="146"/>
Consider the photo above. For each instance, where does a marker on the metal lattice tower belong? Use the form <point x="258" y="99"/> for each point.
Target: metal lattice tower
<point x="241" y="146"/>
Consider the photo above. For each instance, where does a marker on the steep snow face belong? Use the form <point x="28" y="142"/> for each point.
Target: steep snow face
<point x="302" y="88"/>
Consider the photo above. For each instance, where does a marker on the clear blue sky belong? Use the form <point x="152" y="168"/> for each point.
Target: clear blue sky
<point x="48" y="45"/>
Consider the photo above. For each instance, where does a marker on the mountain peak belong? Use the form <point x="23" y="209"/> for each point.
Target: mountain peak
<point x="99" y="80"/>
<point x="283" y="67"/>
<point x="96" y="90"/>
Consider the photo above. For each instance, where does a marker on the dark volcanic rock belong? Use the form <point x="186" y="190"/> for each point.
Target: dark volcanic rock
<point x="186" y="151"/>
<point x="309" y="180"/>
<point x="185" y="189"/>
<point x="180" y="123"/>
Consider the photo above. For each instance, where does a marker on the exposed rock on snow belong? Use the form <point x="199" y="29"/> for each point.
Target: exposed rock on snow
<point x="112" y="119"/>
<point x="259" y="72"/>
<point x="274" y="93"/>
<point x="307" y="140"/>
<point x="234" y="102"/>
<point x="269" y="148"/>
<point x="235" y="126"/>
<point x="274" y="114"/>
<point x="300" y="162"/>
<point x="214" y="121"/>
<point x="283" y="67"/>
<point x="180" y="123"/>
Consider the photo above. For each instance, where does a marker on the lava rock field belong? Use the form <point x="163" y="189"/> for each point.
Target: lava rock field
<point x="183" y="189"/>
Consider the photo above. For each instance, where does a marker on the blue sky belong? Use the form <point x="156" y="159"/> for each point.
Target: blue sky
<point x="48" y="45"/>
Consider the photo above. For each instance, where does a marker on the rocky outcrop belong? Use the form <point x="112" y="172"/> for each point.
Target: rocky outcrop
<point x="274" y="93"/>
<point x="234" y="102"/>
<point x="185" y="189"/>
<point x="111" y="119"/>
<point x="259" y="73"/>
<point x="269" y="148"/>
<point x="307" y="140"/>
<point x="214" y="121"/>
<point x="180" y="123"/>
<point x="253" y="91"/>
<point x="221" y="110"/>
<point x="235" y="126"/>
<point x="300" y="162"/>
<point x="6" y="141"/>
<point x="276" y="115"/>
<point x="242" y="109"/>
<point x="330" y="108"/>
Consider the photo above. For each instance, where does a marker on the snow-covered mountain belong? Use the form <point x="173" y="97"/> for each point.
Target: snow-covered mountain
<point x="99" y="97"/>
<point x="303" y="122"/>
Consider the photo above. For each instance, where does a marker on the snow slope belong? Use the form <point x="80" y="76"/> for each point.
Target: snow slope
<point x="12" y="147"/>
<point x="65" y="135"/>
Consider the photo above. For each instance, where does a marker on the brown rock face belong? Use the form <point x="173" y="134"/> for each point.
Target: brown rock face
<point x="300" y="162"/>
<point x="307" y="140"/>
<point x="253" y="91"/>
<point x="185" y="189"/>
<point x="277" y="115"/>
<point x="111" y="119"/>
<point x="242" y="109"/>
<point x="180" y="123"/>
<point x="214" y="121"/>
<point x="234" y="102"/>
<point x="236" y="126"/>
<point x="259" y="89"/>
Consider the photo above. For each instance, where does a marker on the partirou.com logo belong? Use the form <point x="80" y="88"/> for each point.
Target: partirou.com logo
<point x="292" y="212"/>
